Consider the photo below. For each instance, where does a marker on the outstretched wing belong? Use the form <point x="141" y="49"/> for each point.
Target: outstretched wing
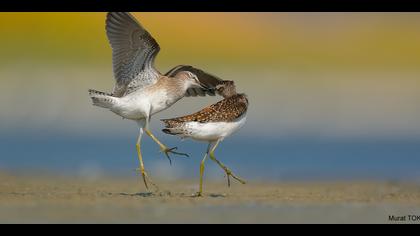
<point x="133" y="53"/>
<point x="210" y="81"/>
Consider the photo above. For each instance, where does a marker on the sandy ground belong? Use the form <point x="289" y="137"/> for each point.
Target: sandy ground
<point x="52" y="199"/>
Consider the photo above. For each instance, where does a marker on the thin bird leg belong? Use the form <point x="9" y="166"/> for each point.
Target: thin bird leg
<point x="146" y="177"/>
<point x="200" y="192"/>
<point x="227" y="170"/>
<point x="164" y="148"/>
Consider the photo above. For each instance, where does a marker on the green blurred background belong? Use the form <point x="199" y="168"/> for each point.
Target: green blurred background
<point x="340" y="89"/>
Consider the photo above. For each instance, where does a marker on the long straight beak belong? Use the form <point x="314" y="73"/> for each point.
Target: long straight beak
<point x="204" y="87"/>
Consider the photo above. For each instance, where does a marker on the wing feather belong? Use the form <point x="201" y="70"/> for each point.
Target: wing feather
<point x="209" y="80"/>
<point x="133" y="53"/>
<point x="226" y="110"/>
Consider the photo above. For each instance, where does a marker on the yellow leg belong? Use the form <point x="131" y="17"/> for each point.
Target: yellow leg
<point x="202" y="167"/>
<point x="200" y="192"/>
<point x="227" y="170"/>
<point x="148" y="132"/>
<point x="142" y="170"/>
<point x="163" y="147"/>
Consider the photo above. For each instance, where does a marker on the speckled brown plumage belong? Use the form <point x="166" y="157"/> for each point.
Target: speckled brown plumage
<point x="226" y="110"/>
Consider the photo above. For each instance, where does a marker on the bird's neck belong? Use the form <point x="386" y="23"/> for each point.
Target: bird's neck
<point x="177" y="87"/>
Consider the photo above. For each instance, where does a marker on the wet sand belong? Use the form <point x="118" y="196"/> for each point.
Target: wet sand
<point x="54" y="199"/>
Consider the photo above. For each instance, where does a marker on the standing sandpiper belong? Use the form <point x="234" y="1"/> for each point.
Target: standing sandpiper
<point x="140" y="90"/>
<point x="213" y="124"/>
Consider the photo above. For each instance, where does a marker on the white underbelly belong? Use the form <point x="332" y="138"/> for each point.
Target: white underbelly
<point x="161" y="103"/>
<point x="134" y="110"/>
<point x="132" y="107"/>
<point x="142" y="103"/>
<point x="213" y="131"/>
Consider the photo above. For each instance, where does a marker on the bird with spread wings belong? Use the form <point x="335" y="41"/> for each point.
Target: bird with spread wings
<point x="140" y="90"/>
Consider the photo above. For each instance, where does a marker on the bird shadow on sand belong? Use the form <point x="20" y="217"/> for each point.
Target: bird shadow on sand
<point x="166" y="194"/>
<point x="142" y="194"/>
<point x="145" y="194"/>
<point x="217" y="195"/>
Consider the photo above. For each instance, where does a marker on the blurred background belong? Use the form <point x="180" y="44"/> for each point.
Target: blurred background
<point x="333" y="96"/>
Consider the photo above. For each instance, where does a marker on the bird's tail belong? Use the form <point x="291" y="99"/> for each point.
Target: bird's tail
<point x="102" y="99"/>
<point x="172" y="127"/>
<point x="168" y="131"/>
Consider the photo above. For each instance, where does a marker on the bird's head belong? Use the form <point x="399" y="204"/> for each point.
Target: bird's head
<point x="226" y="88"/>
<point x="190" y="80"/>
